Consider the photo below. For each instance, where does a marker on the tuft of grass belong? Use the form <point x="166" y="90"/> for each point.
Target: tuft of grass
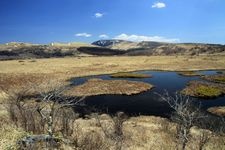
<point x="208" y="91"/>
<point x="129" y="75"/>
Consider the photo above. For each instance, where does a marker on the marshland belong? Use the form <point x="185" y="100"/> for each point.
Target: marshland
<point x="112" y="75"/>
<point x="100" y="96"/>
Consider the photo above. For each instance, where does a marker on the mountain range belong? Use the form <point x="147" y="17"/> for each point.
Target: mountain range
<point x="15" y="50"/>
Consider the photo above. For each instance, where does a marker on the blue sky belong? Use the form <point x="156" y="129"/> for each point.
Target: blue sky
<point x="45" y="21"/>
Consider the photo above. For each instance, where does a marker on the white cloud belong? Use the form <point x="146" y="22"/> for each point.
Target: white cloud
<point x="99" y="15"/>
<point x="83" y="35"/>
<point x="139" y="38"/>
<point x="158" y="5"/>
<point x="103" y="36"/>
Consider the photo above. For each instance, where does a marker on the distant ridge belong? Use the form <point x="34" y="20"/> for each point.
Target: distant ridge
<point x="161" y="48"/>
<point x="20" y="50"/>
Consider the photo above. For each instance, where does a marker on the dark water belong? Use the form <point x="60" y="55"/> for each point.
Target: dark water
<point x="146" y="103"/>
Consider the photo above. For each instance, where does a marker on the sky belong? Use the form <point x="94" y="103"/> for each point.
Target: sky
<point x="46" y="21"/>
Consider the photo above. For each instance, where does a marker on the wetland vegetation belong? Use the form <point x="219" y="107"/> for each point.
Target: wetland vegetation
<point x="148" y="75"/>
<point x="203" y="89"/>
<point x="107" y="95"/>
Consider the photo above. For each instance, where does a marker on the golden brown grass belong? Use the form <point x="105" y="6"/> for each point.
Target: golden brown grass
<point x="9" y="133"/>
<point x="147" y="132"/>
<point x="82" y="66"/>
<point x="142" y="132"/>
<point x="15" y="73"/>
<point x="101" y="87"/>
<point x="9" y="81"/>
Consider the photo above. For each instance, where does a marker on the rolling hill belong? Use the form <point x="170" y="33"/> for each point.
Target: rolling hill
<point x="160" y="48"/>
<point x="16" y="50"/>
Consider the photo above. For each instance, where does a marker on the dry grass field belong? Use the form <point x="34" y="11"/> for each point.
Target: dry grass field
<point x="83" y="66"/>
<point x="18" y="73"/>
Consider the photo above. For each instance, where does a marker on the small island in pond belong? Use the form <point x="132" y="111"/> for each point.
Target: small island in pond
<point x="101" y="87"/>
<point x="129" y="75"/>
<point x="220" y="110"/>
<point x="217" y="78"/>
<point x="188" y="73"/>
<point x="203" y="89"/>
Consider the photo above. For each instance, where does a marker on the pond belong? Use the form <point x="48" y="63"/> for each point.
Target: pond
<point x="147" y="103"/>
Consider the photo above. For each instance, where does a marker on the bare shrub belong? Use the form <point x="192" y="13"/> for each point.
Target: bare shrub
<point x="115" y="130"/>
<point x="49" y="111"/>
<point x="186" y="114"/>
<point x="64" y="121"/>
<point x="21" y="112"/>
<point x="52" y="106"/>
<point x="118" y="121"/>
